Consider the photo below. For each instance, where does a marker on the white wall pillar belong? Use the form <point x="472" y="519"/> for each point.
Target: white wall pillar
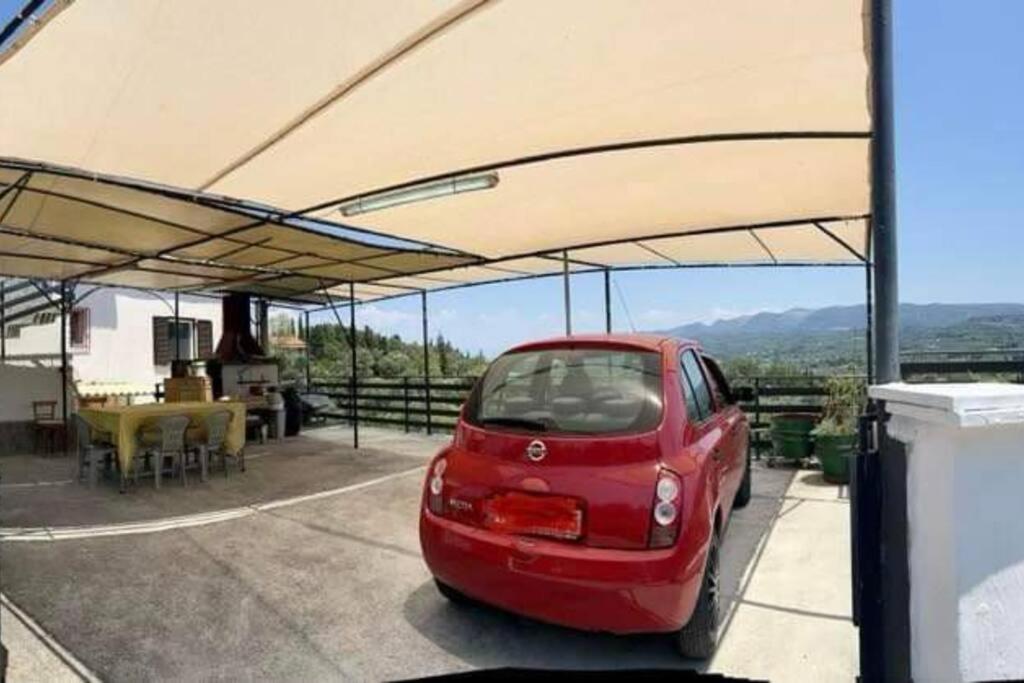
<point x="965" y="509"/>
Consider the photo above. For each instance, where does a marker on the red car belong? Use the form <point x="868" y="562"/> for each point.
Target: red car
<point x="588" y="484"/>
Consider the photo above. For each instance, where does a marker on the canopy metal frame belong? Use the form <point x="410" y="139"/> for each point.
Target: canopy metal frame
<point x="884" y="622"/>
<point x="261" y="216"/>
<point x="651" y="143"/>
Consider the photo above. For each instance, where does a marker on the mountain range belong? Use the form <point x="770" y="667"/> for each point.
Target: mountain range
<point x="832" y="339"/>
<point x="852" y="318"/>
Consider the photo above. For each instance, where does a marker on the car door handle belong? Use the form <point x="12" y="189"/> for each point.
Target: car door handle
<point x="717" y="454"/>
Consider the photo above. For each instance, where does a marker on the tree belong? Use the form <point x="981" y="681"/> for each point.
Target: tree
<point x="442" y="355"/>
<point x="379" y="355"/>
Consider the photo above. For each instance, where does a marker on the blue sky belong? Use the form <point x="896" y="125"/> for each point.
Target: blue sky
<point x="960" y="184"/>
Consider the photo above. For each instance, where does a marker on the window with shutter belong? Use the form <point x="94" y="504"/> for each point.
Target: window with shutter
<point x="204" y="334"/>
<point x="80" y="328"/>
<point x="162" y="350"/>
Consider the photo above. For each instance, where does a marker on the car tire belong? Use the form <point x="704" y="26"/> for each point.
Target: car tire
<point x="698" y="639"/>
<point x="743" y="492"/>
<point x="451" y="594"/>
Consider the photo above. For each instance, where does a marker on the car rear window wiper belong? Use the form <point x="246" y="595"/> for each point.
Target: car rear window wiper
<point x="520" y="422"/>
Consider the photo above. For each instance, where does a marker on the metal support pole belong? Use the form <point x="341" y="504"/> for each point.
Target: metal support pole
<point x="426" y="361"/>
<point x="883" y="196"/>
<point x="177" y="329"/>
<point x="757" y="416"/>
<point x="355" y="366"/>
<point x="309" y="375"/>
<point x="869" y="369"/>
<point x="3" y="321"/>
<point x="405" y="402"/>
<point x="879" y="492"/>
<point x="566" y="292"/>
<point x="607" y="300"/>
<point x="264" y="327"/>
<point x="64" y="357"/>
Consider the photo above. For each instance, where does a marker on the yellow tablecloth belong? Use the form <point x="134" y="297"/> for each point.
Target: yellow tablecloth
<point x="124" y="422"/>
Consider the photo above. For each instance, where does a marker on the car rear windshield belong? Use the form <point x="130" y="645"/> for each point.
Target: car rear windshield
<point x="570" y="390"/>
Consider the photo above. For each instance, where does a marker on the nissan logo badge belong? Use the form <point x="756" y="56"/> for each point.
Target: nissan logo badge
<point x="536" y="451"/>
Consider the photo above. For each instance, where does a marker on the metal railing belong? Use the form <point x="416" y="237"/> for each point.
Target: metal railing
<point x="777" y="395"/>
<point x="416" y="403"/>
<point x="963" y="365"/>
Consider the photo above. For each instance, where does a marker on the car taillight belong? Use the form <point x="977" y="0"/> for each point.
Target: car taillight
<point x="668" y="499"/>
<point x="435" y="499"/>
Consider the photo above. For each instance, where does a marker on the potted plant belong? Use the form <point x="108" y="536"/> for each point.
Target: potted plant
<point x="835" y="437"/>
<point x="791" y="435"/>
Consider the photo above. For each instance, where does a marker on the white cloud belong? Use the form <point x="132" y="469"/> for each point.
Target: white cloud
<point x="387" y="321"/>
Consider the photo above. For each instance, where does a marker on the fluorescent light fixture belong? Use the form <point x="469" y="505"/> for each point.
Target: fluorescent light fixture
<point x="419" y="193"/>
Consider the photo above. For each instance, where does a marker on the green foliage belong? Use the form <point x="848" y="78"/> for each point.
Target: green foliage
<point x="844" y="402"/>
<point x="842" y="351"/>
<point x="378" y="355"/>
<point x="749" y="367"/>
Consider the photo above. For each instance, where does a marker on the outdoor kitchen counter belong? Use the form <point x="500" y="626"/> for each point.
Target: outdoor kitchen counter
<point x="124" y="422"/>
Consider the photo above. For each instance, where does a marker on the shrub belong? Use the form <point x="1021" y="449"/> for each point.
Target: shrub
<point x="844" y="402"/>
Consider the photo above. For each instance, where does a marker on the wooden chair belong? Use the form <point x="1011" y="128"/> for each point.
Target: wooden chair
<point x="48" y="427"/>
<point x="91" y="453"/>
<point x="169" y="446"/>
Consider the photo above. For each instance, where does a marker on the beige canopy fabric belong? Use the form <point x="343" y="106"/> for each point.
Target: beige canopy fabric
<point x="57" y="224"/>
<point x="614" y="133"/>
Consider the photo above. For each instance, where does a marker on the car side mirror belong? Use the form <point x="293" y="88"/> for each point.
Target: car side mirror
<point x="743" y="394"/>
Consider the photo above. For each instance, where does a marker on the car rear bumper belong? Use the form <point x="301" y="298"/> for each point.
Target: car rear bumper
<point x="596" y="589"/>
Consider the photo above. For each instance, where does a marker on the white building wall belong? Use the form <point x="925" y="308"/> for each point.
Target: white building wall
<point x="965" y="503"/>
<point x="120" y="336"/>
<point x="33" y="384"/>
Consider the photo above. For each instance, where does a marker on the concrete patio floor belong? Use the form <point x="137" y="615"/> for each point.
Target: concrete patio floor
<point x="40" y="492"/>
<point x="334" y="586"/>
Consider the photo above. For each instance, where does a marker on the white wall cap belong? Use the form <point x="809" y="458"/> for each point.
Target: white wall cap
<point x="960" y="405"/>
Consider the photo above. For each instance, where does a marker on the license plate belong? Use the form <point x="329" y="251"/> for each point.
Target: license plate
<point x="525" y="514"/>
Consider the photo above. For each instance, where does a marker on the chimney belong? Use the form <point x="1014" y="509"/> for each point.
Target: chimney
<point x="237" y="345"/>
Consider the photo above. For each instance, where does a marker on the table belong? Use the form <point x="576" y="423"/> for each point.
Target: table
<point x="124" y="422"/>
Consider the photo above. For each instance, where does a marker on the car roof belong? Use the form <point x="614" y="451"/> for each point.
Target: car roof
<point x="646" y="342"/>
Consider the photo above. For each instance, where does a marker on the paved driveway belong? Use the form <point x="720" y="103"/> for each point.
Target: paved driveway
<point x="324" y="589"/>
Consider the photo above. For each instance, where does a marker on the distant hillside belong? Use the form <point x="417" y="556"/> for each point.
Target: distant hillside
<point x="832" y="339"/>
<point x="851" y="318"/>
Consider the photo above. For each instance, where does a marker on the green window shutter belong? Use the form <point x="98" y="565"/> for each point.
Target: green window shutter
<point x="162" y="351"/>
<point x="204" y="334"/>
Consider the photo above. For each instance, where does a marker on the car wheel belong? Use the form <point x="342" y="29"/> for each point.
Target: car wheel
<point x="451" y="594"/>
<point x="743" y="493"/>
<point x="697" y="640"/>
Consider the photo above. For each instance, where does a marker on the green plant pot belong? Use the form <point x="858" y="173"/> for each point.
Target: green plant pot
<point x="791" y="435"/>
<point x="834" y="452"/>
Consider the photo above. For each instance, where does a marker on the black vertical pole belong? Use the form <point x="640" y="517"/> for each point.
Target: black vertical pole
<point x="757" y="416"/>
<point x="566" y="293"/>
<point x="869" y="369"/>
<point x="264" y="325"/>
<point x="177" y="330"/>
<point x="883" y="196"/>
<point x="426" y="360"/>
<point x="879" y="498"/>
<point x="608" y="300"/>
<point x="64" y="357"/>
<point x="3" y="321"/>
<point x="405" y="402"/>
<point x="309" y="383"/>
<point x="355" y="390"/>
